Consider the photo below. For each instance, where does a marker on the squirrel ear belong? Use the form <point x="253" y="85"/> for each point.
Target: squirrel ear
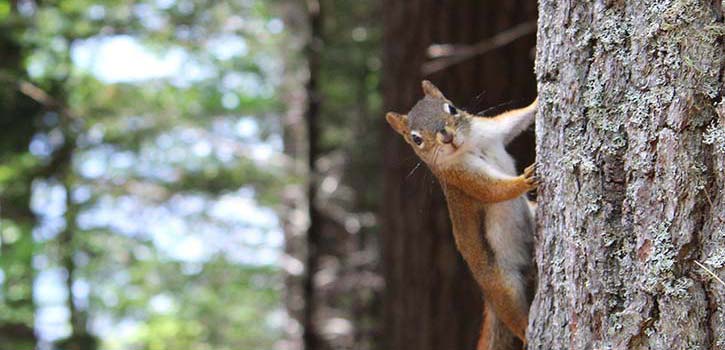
<point x="431" y="90"/>
<point x="399" y="122"/>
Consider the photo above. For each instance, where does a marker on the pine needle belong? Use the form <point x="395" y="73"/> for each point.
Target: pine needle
<point x="710" y="272"/>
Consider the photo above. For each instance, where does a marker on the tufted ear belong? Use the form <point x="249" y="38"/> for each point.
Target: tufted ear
<point x="399" y="122"/>
<point x="431" y="90"/>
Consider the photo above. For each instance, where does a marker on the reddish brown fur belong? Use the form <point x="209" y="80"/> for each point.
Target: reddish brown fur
<point x="466" y="219"/>
<point x="468" y="192"/>
<point x="494" y="335"/>
<point x="489" y="190"/>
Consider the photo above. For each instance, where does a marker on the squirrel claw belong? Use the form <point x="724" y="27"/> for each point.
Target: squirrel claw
<point x="530" y="176"/>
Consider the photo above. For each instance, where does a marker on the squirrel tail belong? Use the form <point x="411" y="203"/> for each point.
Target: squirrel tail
<point x="495" y="335"/>
<point x="532" y="207"/>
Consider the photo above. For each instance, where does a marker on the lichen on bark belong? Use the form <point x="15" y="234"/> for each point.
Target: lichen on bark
<point x="630" y="146"/>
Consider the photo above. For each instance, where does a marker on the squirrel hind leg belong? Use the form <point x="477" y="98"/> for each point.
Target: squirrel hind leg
<point x="495" y="335"/>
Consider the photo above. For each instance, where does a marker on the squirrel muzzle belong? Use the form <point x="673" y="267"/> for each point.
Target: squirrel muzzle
<point x="444" y="136"/>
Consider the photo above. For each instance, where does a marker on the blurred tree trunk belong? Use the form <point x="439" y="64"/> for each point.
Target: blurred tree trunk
<point x="310" y="336"/>
<point x="632" y="154"/>
<point x="70" y="246"/>
<point x="431" y="300"/>
<point x="294" y="205"/>
<point x="335" y="297"/>
<point x="17" y="247"/>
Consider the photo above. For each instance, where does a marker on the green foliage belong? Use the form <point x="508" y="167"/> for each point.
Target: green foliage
<point x="17" y="125"/>
<point x="350" y="82"/>
<point x="17" y="253"/>
<point x="4" y="9"/>
<point x="119" y="152"/>
<point x="211" y="314"/>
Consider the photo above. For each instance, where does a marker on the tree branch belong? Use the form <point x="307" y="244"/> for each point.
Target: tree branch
<point x="446" y="55"/>
<point x="39" y="95"/>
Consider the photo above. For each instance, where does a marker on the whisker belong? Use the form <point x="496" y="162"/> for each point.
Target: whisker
<point x="433" y="157"/>
<point x="478" y="97"/>
<point x="414" y="169"/>
<point x="504" y="104"/>
<point x="476" y="101"/>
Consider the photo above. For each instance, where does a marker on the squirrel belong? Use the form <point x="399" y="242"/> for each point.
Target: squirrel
<point x="492" y="222"/>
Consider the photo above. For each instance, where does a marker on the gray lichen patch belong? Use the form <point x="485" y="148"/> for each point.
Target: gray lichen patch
<point x="612" y="32"/>
<point x="680" y="13"/>
<point x="640" y="105"/>
<point x="660" y="265"/>
<point x="678" y="288"/>
<point x="715" y="136"/>
<point x="593" y="203"/>
<point x="717" y="259"/>
<point x="587" y="165"/>
<point x="580" y="162"/>
<point x="630" y="144"/>
<point x="698" y="175"/>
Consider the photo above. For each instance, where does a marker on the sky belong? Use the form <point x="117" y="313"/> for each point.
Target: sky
<point x="175" y="227"/>
<point x="123" y="59"/>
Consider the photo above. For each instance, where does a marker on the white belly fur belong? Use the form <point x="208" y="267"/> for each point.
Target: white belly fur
<point x="509" y="225"/>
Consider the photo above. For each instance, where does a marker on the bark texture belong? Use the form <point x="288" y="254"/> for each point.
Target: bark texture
<point x="431" y="301"/>
<point x="631" y="147"/>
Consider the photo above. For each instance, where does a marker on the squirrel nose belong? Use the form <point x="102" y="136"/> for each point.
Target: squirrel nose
<point x="445" y="136"/>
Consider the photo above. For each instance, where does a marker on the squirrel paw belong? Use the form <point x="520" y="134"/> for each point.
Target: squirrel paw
<point x="530" y="177"/>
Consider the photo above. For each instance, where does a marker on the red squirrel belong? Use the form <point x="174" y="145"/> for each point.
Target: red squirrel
<point x="492" y="222"/>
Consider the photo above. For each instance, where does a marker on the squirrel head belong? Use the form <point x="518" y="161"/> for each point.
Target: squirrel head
<point x="434" y="128"/>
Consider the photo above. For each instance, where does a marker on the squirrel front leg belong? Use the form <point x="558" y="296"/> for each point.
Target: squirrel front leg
<point x="512" y="123"/>
<point x="492" y="186"/>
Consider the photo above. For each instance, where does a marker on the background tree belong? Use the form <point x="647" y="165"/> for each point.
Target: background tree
<point x="430" y="299"/>
<point x="17" y="169"/>
<point x="116" y="185"/>
<point x="631" y="150"/>
<point x="335" y="298"/>
<point x="141" y="205"/>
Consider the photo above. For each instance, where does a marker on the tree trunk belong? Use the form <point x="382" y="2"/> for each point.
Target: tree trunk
<point x="631" y="150"/>
<point x="431" y="300"/>
<point x="70" y="246"/>
<point x="18" y="124"/>
<point x="334" y="300"/>
<point x="310" y="337"/>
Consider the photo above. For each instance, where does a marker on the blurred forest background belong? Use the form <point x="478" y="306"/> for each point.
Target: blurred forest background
<point x="198" y="174"/>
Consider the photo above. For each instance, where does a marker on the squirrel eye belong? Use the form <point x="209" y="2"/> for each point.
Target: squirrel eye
<point x="450" y="109"/>
<point x="416" y="138"/>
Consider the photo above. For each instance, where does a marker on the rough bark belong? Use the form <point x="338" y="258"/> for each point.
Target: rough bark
<point x="632" y="156"/>
<point x="431" y="301"/>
